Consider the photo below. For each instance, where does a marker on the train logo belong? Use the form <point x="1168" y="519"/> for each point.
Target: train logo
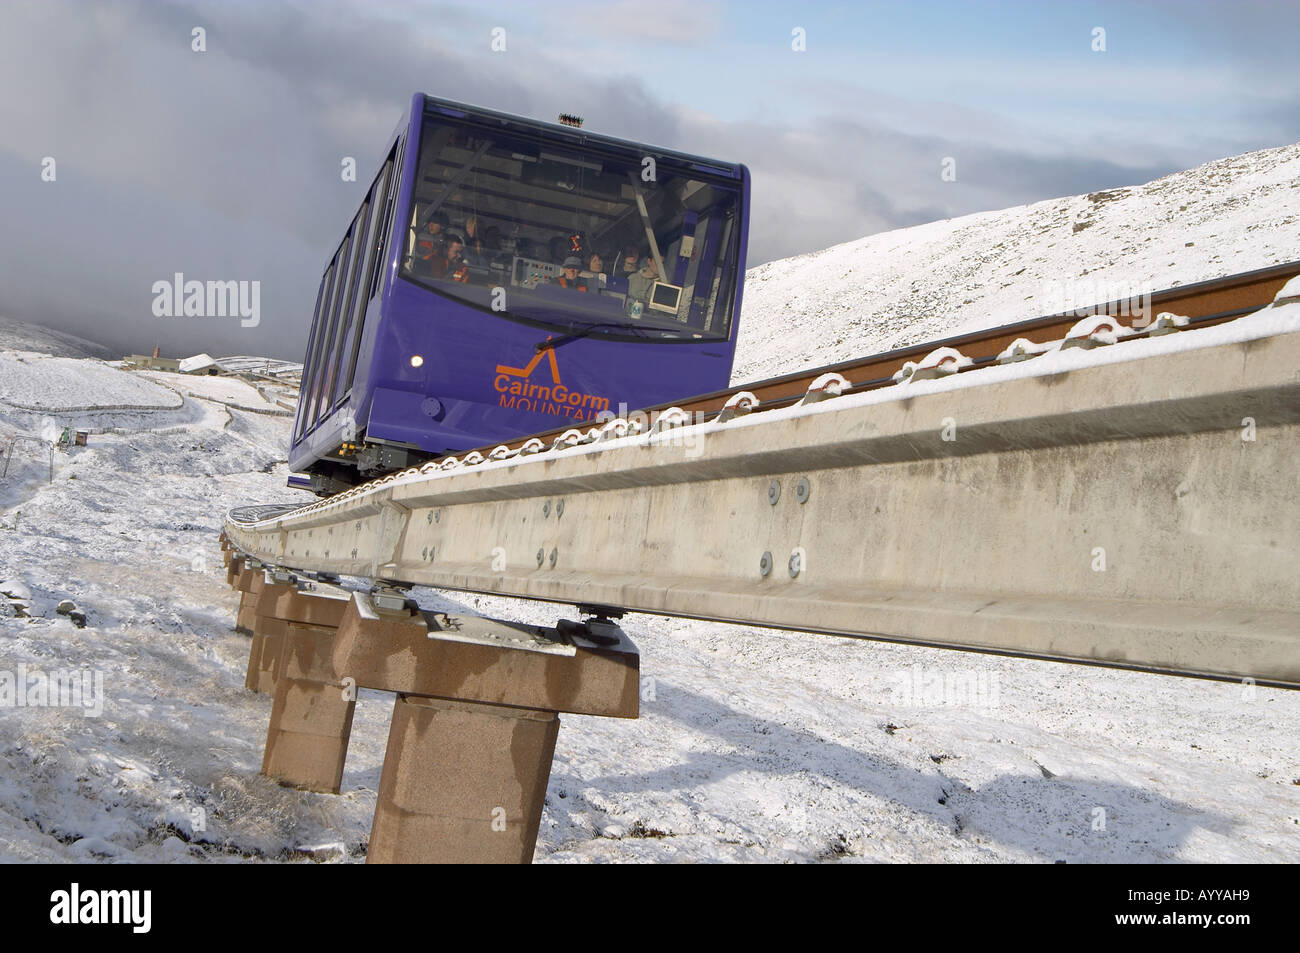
<point x="516" y="390"/>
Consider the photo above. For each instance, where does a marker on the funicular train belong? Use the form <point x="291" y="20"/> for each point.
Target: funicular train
<point x="505" y="276"/>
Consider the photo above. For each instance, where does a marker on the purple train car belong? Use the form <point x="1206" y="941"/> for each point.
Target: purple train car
<point x="504" y="277"/>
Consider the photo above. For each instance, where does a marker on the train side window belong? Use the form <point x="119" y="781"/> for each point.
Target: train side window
<point x="311" y="371"/>
<point x="304" y="384"/>
<point x="348" y="345"/>
<point x="356" y="300"/>
<point x="327" y="328"/>
<point x="386" y="185"/>
<point x="346" y="307"/>
<point x="349" y="252"/>
<point x="379" y="202"/>
<point x="391" y="188"/>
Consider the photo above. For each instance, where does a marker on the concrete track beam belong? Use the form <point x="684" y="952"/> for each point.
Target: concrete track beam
<point x="1133" y="505"/>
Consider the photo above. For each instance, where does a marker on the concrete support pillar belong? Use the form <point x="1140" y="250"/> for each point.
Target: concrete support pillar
<point x="276" y="603"/>
<point x="311" y="717"/>
<point x="266" y="630"/>
<point x="244" y="619"/>
<point x="234" y="566"/>
<point x="264" y="654"/>
<point x="475" y="723"/>
<point x="462" y="783"/>
<point x="249" y="580"/>
<point x="291" y="659"/>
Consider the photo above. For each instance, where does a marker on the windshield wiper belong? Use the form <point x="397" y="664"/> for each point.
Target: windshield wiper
<point x="588" y="329"/>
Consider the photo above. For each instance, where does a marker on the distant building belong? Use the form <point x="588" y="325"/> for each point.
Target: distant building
<point x="152" y="362"/>
<point x="200" y="364"/>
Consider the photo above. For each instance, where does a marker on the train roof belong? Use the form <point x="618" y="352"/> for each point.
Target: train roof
<point x="580" y="138"/>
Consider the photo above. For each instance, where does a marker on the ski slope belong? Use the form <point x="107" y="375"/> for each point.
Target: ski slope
<point x="752" y="745"/>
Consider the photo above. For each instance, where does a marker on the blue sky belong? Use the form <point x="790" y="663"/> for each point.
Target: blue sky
<point x="1182" y="65"/>
<point x="225" y="164"/>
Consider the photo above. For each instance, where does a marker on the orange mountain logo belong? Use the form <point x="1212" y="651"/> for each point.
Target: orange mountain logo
<point x="527" y="372"/>
<point x="516" y="390"/>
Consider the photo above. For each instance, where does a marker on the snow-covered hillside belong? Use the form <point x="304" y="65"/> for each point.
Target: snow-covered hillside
<point x="41" y="383"/>
<point x="752" y="745"/>
<point x="965" y="274"/>
<point x="16" y="336"/>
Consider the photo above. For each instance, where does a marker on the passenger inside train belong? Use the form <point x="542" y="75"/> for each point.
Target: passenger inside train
<point x="530" y="218"/>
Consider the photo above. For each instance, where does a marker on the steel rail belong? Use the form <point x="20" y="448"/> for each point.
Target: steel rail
<point x="1206" y="303"/>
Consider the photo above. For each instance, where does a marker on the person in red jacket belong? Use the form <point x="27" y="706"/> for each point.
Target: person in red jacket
<point x="429" y="241"/>
<point x="451" y="262"/>
<point x="569" y="277"/>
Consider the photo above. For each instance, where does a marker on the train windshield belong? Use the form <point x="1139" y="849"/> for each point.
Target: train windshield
<point x="575" y="237"/>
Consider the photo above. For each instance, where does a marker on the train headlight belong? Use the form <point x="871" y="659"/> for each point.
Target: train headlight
<point x="417" y="360"/>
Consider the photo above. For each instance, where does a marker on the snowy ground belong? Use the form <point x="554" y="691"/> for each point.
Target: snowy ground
<point x="752" y="745"/>
<point x="41" y="383"/>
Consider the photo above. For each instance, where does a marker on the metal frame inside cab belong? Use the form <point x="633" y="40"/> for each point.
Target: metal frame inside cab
<point x="503" y="277"/>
